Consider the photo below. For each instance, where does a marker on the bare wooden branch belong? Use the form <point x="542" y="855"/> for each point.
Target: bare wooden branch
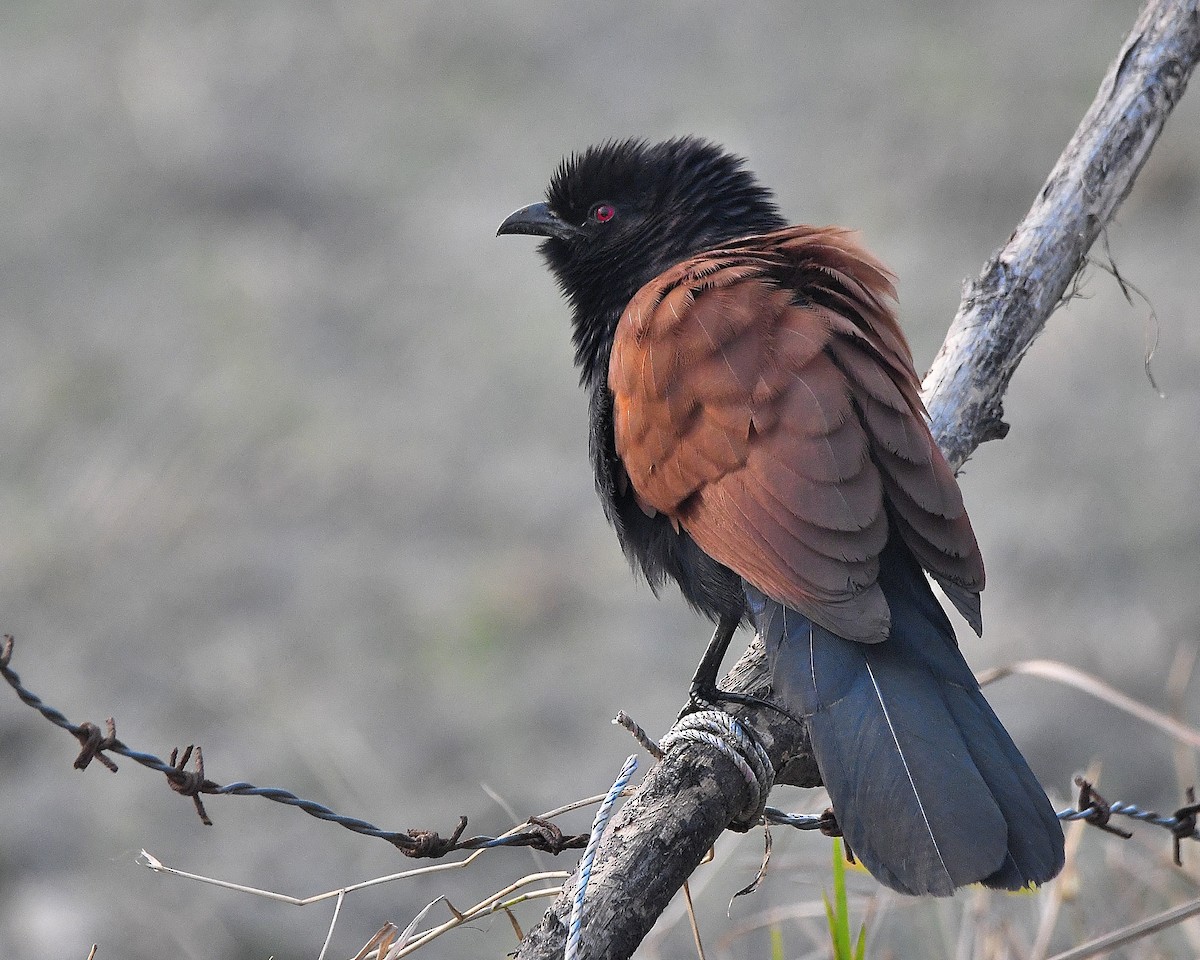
<point x="662" y="833"/>
<point x="688" y="799"/>
<point x="1007" y="306"/>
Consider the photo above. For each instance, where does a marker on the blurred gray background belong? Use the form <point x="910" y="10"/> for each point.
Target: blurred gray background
<point x="293" y="463"/>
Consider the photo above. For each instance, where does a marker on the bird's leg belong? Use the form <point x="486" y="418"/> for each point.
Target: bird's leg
<point x="705" y="692"/>
<point x="704" y="684"/>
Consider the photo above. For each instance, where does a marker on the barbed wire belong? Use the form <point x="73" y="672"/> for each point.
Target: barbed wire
<point x="1093" y="808"/>
<point x="1183" y="824"/>
<point x="542" y="835"/>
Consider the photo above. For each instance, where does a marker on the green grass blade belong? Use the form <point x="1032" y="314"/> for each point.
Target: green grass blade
<point x="838" y="913"/>
<point x="832" y="923"/>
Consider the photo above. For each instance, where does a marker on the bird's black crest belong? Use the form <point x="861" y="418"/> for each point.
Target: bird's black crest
<point x="685" y="171"/>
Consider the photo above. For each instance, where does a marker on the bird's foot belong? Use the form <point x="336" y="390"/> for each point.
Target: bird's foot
<point x="699" y="700"/>
<point x="708" y="696"/>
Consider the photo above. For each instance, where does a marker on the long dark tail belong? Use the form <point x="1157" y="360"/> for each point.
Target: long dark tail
<point x="927" y="786"/>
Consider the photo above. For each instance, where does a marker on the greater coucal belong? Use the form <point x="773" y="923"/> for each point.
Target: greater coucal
<point x="758" y="436"/>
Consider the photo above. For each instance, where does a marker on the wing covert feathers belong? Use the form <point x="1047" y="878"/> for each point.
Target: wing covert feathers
<point x="765" y="400"/>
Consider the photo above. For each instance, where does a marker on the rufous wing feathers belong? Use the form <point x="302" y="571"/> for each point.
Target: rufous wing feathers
<point x="765" y="400"/>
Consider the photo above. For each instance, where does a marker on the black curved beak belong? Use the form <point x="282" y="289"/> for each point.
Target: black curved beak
<point x="537" y="220"/>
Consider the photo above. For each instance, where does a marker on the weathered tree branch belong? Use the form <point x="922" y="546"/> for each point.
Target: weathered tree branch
<point x="689" y="798"/>
<point x="1007" y="306"/>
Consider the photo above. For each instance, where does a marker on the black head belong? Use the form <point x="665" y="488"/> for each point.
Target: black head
<point x="618" y="214"/>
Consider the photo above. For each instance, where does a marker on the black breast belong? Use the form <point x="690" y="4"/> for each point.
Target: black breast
<point x="651" y="543"/>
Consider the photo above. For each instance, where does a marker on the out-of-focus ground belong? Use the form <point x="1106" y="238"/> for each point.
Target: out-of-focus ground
<point x="293" y="464"/>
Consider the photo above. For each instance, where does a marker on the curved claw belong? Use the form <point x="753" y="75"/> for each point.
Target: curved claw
<point x="708" y="697"/>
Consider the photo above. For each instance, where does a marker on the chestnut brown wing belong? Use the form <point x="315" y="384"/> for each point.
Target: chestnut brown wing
<point x="764" y="400"/>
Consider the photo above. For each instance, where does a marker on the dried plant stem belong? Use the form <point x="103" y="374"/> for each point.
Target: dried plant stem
<point x="1073" y="677"/>
<point x="500" y="900"/>
<point x="1135" y="931"/>
<point x="691" y="912"/>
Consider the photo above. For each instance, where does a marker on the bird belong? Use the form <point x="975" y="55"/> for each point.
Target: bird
<point x="758" y="437"/>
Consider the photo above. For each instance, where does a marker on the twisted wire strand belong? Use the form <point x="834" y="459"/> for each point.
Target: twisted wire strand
<point x="810" y="821"/>
<point x="575" y="927"/>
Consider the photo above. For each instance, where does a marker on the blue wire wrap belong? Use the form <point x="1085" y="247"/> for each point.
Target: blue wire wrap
<point x="589" y="856"/>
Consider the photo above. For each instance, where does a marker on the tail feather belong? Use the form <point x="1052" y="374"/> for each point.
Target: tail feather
<point x="928" y="787"/>
<point x="1035" y="851"/>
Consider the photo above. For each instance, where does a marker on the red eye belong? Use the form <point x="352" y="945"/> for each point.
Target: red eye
<point x="603" y="212"/>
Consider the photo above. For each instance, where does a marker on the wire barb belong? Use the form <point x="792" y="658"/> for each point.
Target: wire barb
<point x="1097" y="810"/>
<point x="428" y="844"/>
<point x="828" y="825"/>
<point x="92" y="743"/>
<point x="190" y="783"/>
<point x="1185" y="828"/>
<point x="547" y="837"/>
